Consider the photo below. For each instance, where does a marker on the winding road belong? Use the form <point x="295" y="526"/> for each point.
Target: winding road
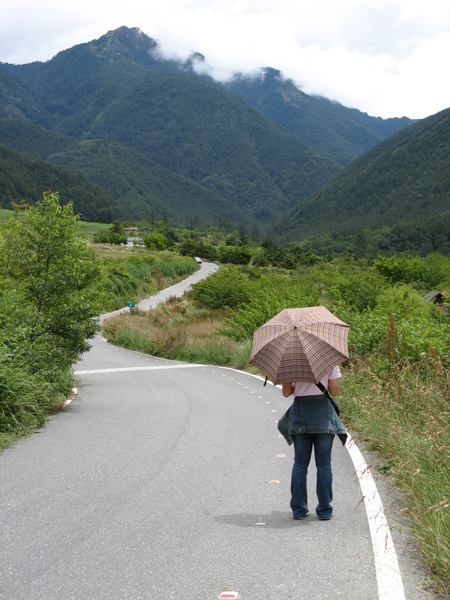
<point x="164" y="480"/>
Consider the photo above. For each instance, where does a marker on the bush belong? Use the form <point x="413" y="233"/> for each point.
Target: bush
<point x="155" y="241"/>
<point x="429" y="272"/>
<point x="267" y="298"/>
<point x="359" y="290"/>
<point x="225" y="289"/>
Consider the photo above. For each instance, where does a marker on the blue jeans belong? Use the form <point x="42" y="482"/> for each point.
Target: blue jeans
<point x="303" y="444"/>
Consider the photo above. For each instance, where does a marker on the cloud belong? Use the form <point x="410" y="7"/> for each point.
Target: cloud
<point x="385" y="57"/>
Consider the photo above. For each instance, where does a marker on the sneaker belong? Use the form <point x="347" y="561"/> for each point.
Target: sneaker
<point x="301" y="518"/>
<point x="324" y="518"/>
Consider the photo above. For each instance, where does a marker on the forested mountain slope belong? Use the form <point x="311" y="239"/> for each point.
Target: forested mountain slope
<point x="191" y="134"/>
<point x="404" y="178"/>
<point x="342" y="132"/>
<point x="158" y="139"/>
<point x="23" y="178"/>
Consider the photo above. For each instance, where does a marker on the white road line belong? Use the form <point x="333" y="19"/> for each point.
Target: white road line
<point x="122" y="369"/>
<point x="389" y="579"/>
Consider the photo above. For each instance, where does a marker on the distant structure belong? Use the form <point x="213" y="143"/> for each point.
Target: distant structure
<point x="438" y="299"/>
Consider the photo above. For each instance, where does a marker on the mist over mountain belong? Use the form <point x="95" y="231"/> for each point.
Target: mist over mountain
<point x="342" y="132"/>
<point x="219" y="155"/>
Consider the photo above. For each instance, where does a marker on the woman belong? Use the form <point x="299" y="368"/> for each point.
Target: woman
<point x="311" y="422"/>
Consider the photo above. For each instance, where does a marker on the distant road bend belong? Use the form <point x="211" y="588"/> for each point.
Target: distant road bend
<point x="168" y="480"/>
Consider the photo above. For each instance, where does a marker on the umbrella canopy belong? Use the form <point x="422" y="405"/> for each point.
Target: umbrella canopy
<point x="300" y="344"/>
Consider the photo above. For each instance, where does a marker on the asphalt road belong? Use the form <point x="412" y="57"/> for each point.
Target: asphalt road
<point x="163" y="480"/>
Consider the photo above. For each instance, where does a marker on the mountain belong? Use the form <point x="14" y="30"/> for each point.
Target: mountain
<point x="342" y="132"/>
<point x="155" y="138"/>
<point x="141" y="187"/>
<point x="24" y="178"/>
<point x="405" y="178"/>
<point x="182" y="144"/>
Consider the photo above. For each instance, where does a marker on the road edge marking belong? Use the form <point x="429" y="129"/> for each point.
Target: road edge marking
<point x="147" y="368"/>
<point x="389" y="579"/>
<point x="388" y="575"/>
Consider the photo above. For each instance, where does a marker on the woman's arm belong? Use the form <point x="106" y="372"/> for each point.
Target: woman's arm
<point x="288" y="389"/>
<point x="333" y="386"/>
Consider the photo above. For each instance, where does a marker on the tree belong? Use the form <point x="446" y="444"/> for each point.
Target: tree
<point x="117" y="233"/>
<point x="49" y="288"/>
<point x="243" y="236"/>
<point x="155" y="241"/>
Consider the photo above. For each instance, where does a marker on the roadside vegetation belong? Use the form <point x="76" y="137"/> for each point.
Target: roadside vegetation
<point x="53" y="285"/>
<point x="396" y="386"/>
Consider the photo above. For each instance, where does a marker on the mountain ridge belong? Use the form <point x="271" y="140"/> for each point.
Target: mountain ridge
<point x="186" y="124"/>
<point x="325" y="124"/>
<point x="405" y="177"/>
<point x="159" y="137"/>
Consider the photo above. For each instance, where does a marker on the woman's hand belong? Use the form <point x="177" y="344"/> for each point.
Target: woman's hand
<point x="287" y="389"/>
<point x="333" y="386"/>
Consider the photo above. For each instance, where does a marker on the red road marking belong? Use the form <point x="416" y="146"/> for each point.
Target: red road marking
<point x="229" y="595"/>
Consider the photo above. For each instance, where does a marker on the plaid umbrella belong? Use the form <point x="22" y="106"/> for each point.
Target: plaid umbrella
<point x="300" y="344"/>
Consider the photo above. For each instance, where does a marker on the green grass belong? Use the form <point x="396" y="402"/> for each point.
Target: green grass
<point x="87" y="228"/>
<point x="403" y="411"/>
<point x="26" y="398"/>
<point x="179" y="331"/>
<point x="5" y="214"/>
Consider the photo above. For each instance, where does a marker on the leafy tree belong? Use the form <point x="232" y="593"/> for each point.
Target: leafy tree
<point x="235" y="255"/>
<point x="255" y="233"/>
<point x="49" y="290"/>
<point x="102" y="236"/>
<point x="243" y="235"/>
<point x="431" y="271"/>
<point x="155" y="241"/>
<point x="399" y="269"/>
<point x="117" y="233"/>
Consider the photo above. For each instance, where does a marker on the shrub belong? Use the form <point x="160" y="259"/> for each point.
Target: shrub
<point x="155" y="241"/>
<point x="265" y="301"/>
<point x="225" y="289"/>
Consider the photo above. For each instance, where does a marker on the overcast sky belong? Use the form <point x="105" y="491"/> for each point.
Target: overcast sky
<point x="389" y="58"/>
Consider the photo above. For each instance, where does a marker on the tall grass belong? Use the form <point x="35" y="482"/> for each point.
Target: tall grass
<point x="179" y="331"/>
<point x="140" y="275"/>
<point x="26" y="397"/>
<point x="403" y="411"/>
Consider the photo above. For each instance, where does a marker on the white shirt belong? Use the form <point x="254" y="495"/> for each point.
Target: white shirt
<point x="306" y="388"/>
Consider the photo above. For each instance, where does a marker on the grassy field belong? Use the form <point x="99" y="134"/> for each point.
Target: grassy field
<point x="87" y="229"/>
